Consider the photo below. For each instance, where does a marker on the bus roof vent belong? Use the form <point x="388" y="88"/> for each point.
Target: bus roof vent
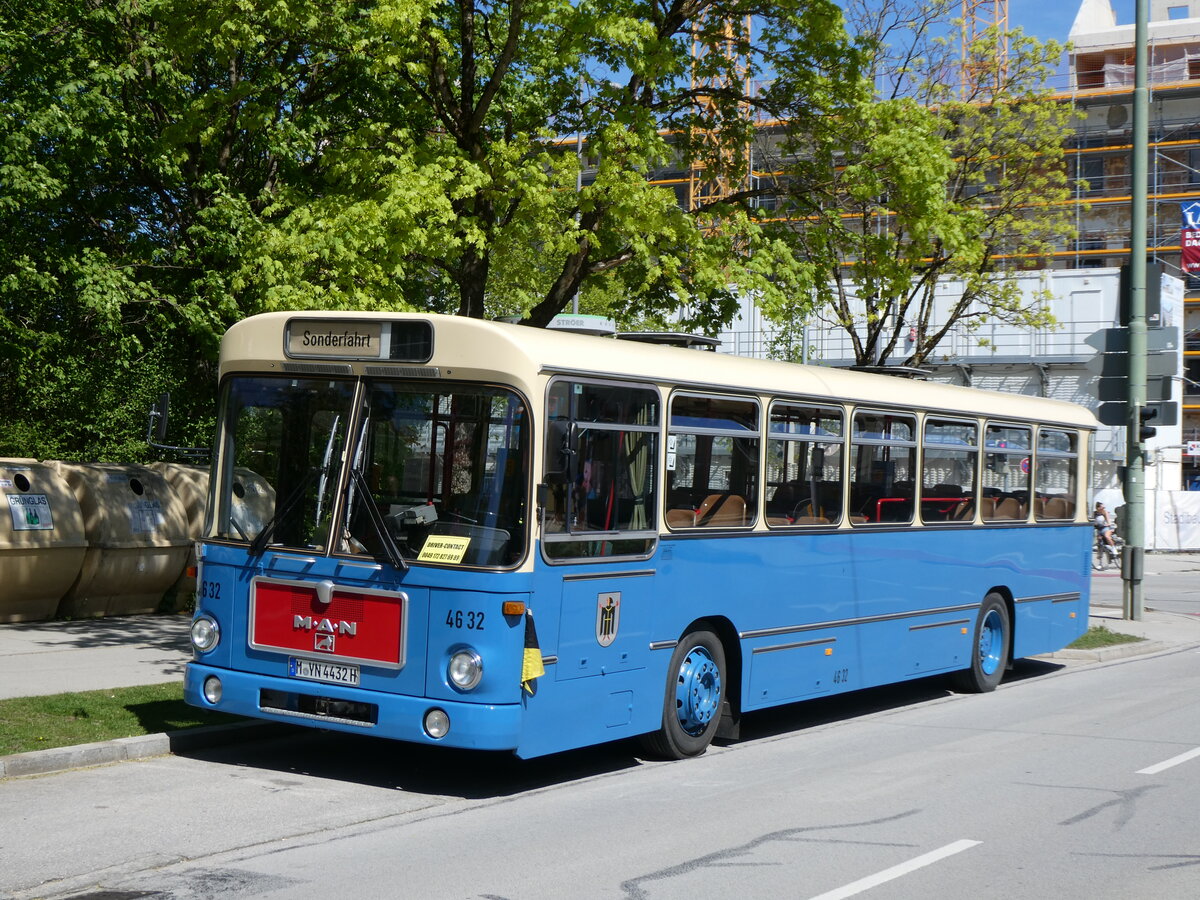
<point x="405" y="371"/>
<point x="672" y="339"/>
<point x="317" y="368"/>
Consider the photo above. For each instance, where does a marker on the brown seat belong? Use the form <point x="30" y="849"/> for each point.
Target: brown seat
<point x="1009" y="508"/>
<point x="681" y="518"/>
<point x="721" y="511"/>
<point x="1057" y="508"/>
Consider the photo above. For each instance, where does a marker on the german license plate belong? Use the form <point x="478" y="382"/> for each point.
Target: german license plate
<point x="316" y="670"/>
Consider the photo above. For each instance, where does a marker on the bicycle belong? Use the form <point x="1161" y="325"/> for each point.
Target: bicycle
<point x="1106" y="557"/>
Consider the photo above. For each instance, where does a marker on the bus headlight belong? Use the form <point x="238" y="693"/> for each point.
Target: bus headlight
<point x="205" y="633"/>
<point x="465" y="669"/>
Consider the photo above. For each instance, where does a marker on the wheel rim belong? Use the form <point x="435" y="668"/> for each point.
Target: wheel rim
<point x="698" y="691"/>
<point x="991" y="642"/>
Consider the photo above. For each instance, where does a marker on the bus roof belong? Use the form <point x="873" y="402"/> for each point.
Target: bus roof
<point x="474" y="348"/>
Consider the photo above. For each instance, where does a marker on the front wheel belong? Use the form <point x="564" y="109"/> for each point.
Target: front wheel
<point x="695" y="695"/>
<point x="989" y="651"/>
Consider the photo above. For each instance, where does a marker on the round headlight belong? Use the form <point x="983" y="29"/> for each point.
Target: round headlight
<point x="205" y="633"/>
<point x="212" y="689"/>
<point x="465" y="669"/>
<point x="437" y="723"/>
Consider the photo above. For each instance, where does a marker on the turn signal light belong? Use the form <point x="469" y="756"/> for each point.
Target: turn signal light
<point x="514" y="607"/>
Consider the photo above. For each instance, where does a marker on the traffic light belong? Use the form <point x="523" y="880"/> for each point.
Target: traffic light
<point x="1145" y="414"/>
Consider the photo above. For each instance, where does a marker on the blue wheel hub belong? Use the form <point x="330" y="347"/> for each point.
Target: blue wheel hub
<point x="991" y="642"/>
<point x="698" y="691"/>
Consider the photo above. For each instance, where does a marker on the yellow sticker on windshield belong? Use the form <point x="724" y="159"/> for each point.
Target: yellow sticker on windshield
<point x="444" y="548"/>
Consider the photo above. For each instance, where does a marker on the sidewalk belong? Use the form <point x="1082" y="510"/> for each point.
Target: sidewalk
<point x="39" y="658"/>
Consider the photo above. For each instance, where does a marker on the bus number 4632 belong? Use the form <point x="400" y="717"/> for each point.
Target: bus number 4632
<point x="469" y="619"/>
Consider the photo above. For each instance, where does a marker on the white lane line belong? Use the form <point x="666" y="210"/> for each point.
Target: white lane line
<point x="865" y="884"/>
<point x="1166" y="764"/>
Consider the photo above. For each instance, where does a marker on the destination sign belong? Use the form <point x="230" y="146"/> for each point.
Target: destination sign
<point x="394" y="341"/>
<point x="333" y="338"/>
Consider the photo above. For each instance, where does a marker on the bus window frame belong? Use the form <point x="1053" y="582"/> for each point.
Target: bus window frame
<point x="972" y="501"/>
<point x="852" y="443"/>
<point x="567" y="535"/>
<point x="751" y="508"/>
<point x="831" y="406"/>
<point x="1073" y="455"/>
<point x="1029" y="426"/>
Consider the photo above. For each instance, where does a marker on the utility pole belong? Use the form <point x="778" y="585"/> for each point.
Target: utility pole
<point x="1132" y="562"/>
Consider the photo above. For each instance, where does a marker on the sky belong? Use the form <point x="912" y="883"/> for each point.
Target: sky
<point x="1046" y="19"/>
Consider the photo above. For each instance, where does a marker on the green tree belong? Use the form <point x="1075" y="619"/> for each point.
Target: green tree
<point x="928" y="181"/>
<point x="168" y="167"/>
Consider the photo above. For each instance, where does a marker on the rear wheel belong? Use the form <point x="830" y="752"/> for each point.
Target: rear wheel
<point x="695" y="695"/>
<point x="993" y="637"/>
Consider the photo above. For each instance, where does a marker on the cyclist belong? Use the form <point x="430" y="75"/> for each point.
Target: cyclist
<point x="1104" y="528"/>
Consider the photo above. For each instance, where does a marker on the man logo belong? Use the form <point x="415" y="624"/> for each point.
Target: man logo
<point x="608" y="617"/>
<point x="323" y="642"/>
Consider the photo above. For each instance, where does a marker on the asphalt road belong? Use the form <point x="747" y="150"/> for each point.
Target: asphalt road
<point x="1171" y="584"/>
<point x="1071" y="780"/>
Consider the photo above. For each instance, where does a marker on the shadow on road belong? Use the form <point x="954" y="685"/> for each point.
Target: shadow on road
<point x="470" y="774"/>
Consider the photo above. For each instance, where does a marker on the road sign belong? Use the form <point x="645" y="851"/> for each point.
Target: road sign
<point x="1117" y="413"/>
<point x="1117" y="388"/>
<point x="1193" y="448"/>
<point x="1116" y="340"/>
<point x="1116" y="365"/>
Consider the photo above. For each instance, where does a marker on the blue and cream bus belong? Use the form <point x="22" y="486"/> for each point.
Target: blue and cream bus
<point x="458" y="532"/>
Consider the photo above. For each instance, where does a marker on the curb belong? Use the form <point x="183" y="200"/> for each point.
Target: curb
<point x="59" y="759"/>
<point x="1117" y="651"/>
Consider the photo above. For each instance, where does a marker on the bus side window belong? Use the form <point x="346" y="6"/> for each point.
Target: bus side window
<point x="714" y="469"/>
<point x="804" y="465"/>
<point x="883" y="465"/>
<point x="949" y="460"/>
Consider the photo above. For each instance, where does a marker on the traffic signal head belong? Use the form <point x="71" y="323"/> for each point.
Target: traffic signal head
<point x="1145" y="414"/>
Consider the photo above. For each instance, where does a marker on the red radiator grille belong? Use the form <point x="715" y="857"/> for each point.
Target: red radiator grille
<point x="355" y="626"/>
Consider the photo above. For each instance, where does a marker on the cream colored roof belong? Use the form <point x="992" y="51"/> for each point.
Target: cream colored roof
<point x="522" y="356"/>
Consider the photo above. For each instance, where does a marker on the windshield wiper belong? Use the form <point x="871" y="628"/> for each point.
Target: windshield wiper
<point x="259" y="544"/>
<point x="390" y="550"/>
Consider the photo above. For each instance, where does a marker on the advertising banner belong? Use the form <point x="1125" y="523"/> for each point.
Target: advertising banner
<point x="1190" y="242"/>
<point x="1176" y="520"/>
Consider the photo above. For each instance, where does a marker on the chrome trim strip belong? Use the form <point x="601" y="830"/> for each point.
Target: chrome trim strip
<point x="303" y="715"/>
<point x="939" y="624"/>
<point x="1054" y="598"/>
<point x="864" y="620"/>
<point x="663" y="645"/>
<point x="593" y="576"/>
<point x="772" y="649"/>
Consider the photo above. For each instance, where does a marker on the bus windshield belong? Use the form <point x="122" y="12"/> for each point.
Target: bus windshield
<point x="450" y="462"/>
<point x="447" y="467"/>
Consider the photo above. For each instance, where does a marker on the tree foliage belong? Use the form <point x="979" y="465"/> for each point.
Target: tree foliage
<point x="168" y="167"/>
<point x="929" y="180"/>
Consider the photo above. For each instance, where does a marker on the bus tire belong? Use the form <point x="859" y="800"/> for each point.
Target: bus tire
<point x="694" y="698"/>
<point x="989" y="649"/>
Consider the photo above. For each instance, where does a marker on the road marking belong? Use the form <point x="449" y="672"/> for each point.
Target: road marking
<point x="1166" y="764"/>
<point x="865" y="884"/>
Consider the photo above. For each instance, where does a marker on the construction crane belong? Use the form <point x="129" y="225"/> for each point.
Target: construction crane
<point x="727" y="45"/>
<point x="978" y="17"/>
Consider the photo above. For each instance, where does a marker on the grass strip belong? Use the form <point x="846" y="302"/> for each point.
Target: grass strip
<point x="64" y="720"/>
<point x="1098" y="636"/>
